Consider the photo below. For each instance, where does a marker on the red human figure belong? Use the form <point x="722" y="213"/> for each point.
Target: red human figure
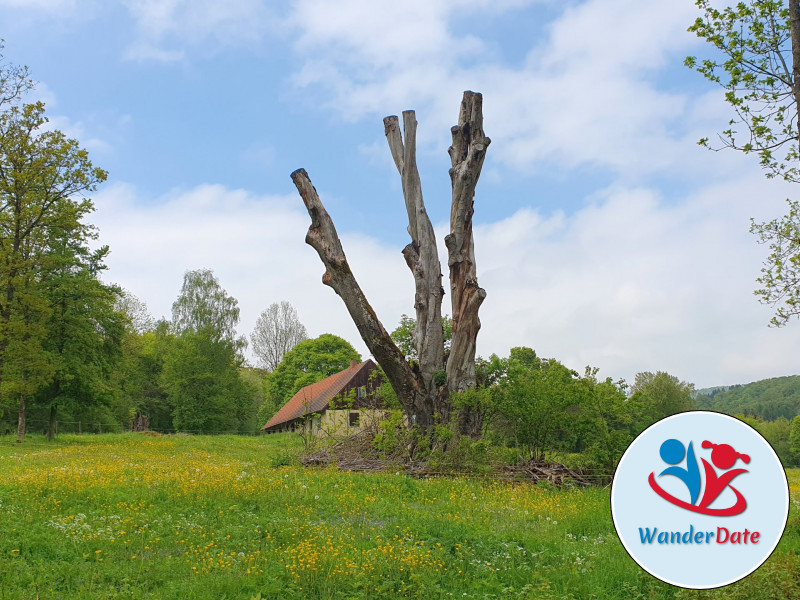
<point x="724" y="457"/>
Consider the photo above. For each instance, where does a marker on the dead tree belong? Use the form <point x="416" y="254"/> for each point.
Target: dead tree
<point x="424" y="388"/>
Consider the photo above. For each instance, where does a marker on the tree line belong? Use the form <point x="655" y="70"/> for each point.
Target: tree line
<point x="105" y="364"/>
<point x="77" y="353"/>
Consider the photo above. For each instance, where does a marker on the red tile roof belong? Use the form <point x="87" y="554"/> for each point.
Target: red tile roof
<point x="316" y="397"/>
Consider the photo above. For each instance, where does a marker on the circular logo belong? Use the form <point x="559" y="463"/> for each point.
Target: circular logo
<point x="699" y="500"/>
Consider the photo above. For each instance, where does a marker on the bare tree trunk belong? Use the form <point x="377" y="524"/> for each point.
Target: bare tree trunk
<point x="51" y="424"/>
<point x="421" y="255"/>
<point x="21" y="420"/>
<point x="424" y="390"/>
<point x="466" y="156"/>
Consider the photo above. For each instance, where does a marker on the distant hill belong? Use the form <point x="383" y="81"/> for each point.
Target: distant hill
<point x="768" y="399"/>
<point x="711" y="391"/>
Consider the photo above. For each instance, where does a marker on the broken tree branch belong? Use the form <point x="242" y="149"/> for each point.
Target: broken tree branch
<point x="421" y="254"/>
<point x="466" y="155"/>
<point x="323" y="238"/>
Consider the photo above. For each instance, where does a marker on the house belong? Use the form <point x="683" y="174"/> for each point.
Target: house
<point x="342" y="403"/>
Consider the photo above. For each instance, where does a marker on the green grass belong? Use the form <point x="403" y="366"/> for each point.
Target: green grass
<point x="133" y="516"/>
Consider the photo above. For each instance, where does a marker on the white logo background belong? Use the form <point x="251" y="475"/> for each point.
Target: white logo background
<point x="635" y="505"/>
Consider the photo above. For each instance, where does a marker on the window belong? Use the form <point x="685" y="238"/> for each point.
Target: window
<point x="362" y="392"/>
<point x="354" y="419"/>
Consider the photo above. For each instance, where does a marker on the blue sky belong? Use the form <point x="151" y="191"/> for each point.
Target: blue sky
<point x="604" y="234"/>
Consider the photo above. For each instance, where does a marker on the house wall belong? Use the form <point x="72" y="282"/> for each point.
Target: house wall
<point x="338" y="422"/>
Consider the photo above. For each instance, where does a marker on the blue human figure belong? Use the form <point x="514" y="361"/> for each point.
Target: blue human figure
<point x="672" y="452"/>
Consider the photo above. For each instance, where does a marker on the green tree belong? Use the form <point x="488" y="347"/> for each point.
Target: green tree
<point x="308" y="362"/>
<point x="658" y="395"/>
<point x="204" y="304"/>
<point x="26" y="366"/>
<point x="794" y="440"/>
<point x="539" y="399"/>
<point x="758" y="65"/>
<point x="780" y="275"/>
<point x="778" y="434"/>
<point x="201" y="379"/>
<point x="201" y="370"/>
<point x="84" y="331"/>
<point x="404" y="333"/>
<point x="44" y="177"/>
<point x="254" y="382"/>
<point x="139" y="318"/>
<point x="768" y="399"/>
<point x="139" y="377"/>
<point x="14" y="81"/>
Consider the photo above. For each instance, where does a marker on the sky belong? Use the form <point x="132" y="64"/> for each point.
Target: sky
<point x="604" y="235"/>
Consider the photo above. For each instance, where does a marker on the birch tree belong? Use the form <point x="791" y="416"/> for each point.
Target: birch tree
<point x="423" y="389"/>
<point x="204" y="304"/>
<point x="278" y="329"/>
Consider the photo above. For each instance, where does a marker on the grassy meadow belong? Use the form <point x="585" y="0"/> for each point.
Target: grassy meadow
<point x="134" y="516"/>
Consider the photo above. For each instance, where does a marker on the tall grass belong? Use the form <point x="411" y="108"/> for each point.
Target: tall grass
<point x="133" y="516"/>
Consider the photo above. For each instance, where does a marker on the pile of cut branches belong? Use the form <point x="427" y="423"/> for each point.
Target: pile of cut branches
<point x="357" y="454"/>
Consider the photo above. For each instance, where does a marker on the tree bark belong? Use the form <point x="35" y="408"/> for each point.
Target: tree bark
<point x="423" y="389"/>
<point x="794" y="27"/>
<point x="51" y="423"/>
<point x="421" y="254"/>
<point x="466" y="156"/>
<point x="21" y="426"/>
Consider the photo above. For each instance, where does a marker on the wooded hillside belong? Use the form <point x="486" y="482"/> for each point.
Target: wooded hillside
<point x="768" y="399"/>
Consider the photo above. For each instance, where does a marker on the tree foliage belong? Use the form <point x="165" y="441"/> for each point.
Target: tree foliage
<point x="794" y="440"/>
<point x="277" y="331"/>
<point x="44" y="179"/>
<point x="540" y="400"/>
<point x="768" y="399"/>
<point x="660" y="395"/>
<point x="139" y="377"/>
<point x="403" y="336"/>
<point x="84" y="331"/>
<point x="544" y="409"/>
<point x="203" y="304"/>
<point x="778" y="434"/>
<point x="780" y="275"/>
<point x="203" y="386"/>
<point x="755" y="66"/>
<point x="758" y="66"/>
<point x="139" y="318"/>
<point x="14" y="81"/>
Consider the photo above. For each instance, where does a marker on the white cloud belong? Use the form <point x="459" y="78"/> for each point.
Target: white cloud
<point x="629" y="283"/>
<point x="204" y="24"/>
<point x="47" y="6"/>
<point x="142" y="50"/>
<point x="254" y="244"/>
<point x="77" y="130"/>
<point x="586" y="93"/>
